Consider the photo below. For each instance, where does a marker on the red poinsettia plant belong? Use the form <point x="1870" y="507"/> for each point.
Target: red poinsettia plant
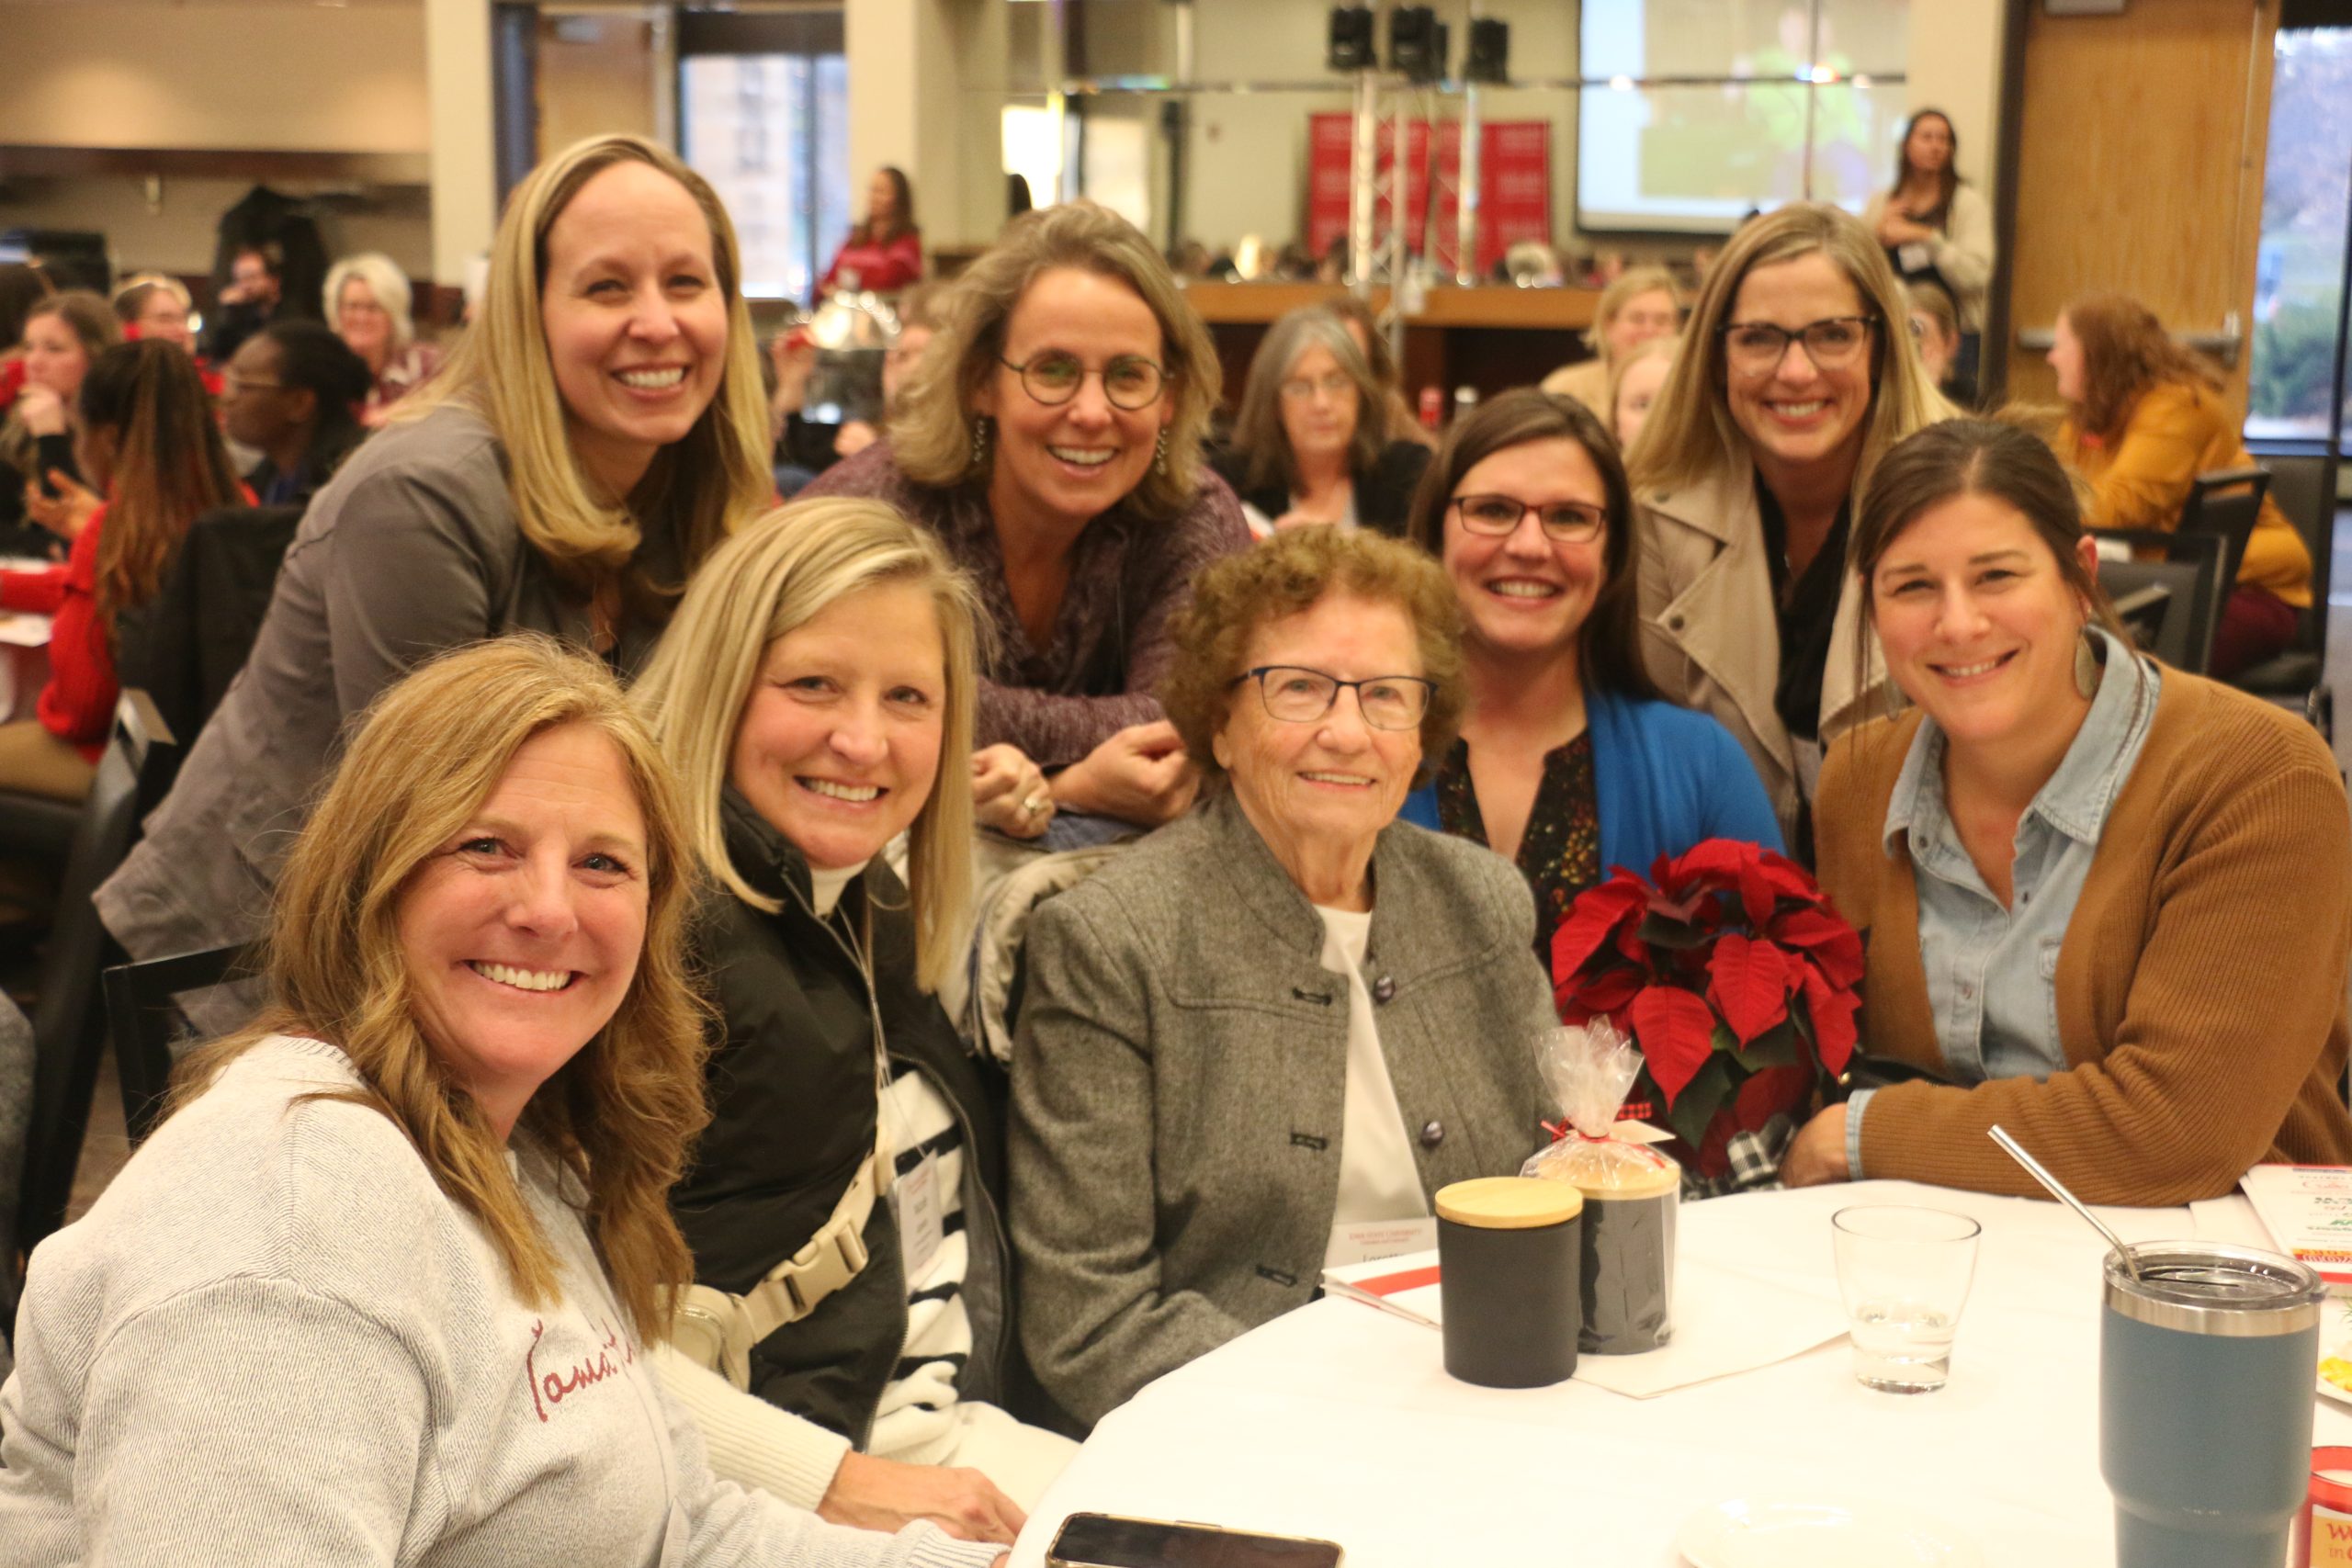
<point x="1732" y="972"/>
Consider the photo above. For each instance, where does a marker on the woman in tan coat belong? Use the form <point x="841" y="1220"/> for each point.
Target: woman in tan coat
<point x="1796" y="375"/>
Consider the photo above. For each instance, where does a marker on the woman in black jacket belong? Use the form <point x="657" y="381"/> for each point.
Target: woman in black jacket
<point x="845" y="1207"/>
<point x="1307" y="443"/>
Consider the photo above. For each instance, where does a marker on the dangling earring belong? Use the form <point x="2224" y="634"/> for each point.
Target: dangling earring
<point x="1159" y="453"/>
<point x="980" y="442"/>
<point x="2087" y="666"/>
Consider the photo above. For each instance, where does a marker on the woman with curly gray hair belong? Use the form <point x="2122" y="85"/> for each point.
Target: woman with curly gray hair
<point x="1269" y="1032"/>
<point x="1051" y="437"/>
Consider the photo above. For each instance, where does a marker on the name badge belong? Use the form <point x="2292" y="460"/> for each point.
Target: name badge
<point x="915" y="1198"/>
<point x="1914" y="257"/>
<point x="1369" y="1241"/>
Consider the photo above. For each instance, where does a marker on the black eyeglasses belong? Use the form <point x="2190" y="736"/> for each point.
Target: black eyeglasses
<point x="1295" y="695"/>
<point x="1569" y="521"/>
<point x="1130" y="381"/>
<point x="1756" y="348"/>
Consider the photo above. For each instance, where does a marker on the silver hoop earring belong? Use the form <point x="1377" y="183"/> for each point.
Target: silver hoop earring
<point x="1159" y="453"/>
<point x="980" y="442"/>
<point x="2087" y="666"/>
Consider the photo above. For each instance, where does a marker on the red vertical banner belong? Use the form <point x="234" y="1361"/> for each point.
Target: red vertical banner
<point x="1330" y="140"/>
<point x="1514" y="188"/>
<point x="1331" y="148"/>
<point x="1514" y="185"/>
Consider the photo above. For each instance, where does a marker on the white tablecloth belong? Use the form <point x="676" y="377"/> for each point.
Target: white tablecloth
<point x="1339" y="1420"/>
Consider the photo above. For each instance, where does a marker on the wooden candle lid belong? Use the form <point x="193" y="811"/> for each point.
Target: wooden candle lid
<point x="1628" y="1179"/>
<point x="1509" y="1202"/>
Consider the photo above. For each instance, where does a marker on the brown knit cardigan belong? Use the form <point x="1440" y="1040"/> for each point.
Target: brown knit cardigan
<point x="2200" y="984"/>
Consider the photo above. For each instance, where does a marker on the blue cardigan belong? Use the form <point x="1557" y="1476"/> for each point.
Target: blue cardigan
<point x="1663" y="777"/>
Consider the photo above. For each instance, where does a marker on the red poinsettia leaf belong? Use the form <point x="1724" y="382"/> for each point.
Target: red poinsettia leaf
<point x="1726" y="865"/>
<point x="1748" y="982"/>
<point x="1831" y="1012"/>
<point x="1769" y="1092"/>
<point x="1676" y="1033"/>
<point x="1610" y="990"/>
<point x="1787" y="878"/>
<point x="1594" y="918"/>
<point x="1826" y="939"/>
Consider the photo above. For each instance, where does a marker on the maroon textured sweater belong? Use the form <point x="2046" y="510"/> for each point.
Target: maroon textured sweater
<point x="1110" y="648"/>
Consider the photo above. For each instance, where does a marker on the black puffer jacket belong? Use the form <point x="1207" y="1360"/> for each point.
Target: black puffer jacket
<point x="793" y="1113"/>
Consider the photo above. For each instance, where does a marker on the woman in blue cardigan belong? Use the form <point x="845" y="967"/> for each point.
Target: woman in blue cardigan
<point x="1570" y="764"/>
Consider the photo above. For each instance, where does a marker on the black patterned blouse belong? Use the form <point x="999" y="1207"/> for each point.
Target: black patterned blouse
<point x="1560" y="852"/>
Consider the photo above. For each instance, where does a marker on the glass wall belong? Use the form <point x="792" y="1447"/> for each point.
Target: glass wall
<point x="770" y="131"/>
<point x="2300" y="276"/>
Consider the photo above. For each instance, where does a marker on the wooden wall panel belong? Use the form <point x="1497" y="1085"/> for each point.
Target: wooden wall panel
<point x="596" y="77"/>
<point x="2140" y="166"/>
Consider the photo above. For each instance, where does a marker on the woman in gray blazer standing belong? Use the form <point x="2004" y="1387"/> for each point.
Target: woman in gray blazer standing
<point x="599" y="431"/>
<point x="1275" y="1027"/>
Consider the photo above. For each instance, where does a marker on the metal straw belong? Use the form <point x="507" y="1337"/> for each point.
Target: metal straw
<point x="2058" y="1189"/>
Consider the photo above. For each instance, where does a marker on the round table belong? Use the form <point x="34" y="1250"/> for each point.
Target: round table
<point x="1338" y="1421"/>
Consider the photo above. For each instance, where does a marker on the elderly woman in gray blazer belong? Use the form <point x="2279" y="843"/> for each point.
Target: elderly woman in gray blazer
<point x="1281" y="1023"/>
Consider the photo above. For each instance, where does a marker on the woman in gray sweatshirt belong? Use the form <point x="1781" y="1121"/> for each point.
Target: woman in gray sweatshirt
<point x="382" y="1286"/>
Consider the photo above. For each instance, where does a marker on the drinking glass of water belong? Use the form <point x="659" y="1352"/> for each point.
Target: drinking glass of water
<point x="1905" y="1274"/>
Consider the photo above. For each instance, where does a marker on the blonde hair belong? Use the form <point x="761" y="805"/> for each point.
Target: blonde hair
<point x="705" y="484"/>
<point x="132" y="294"/>
<point x="776" y="575"/>
<point x="1690" y="434"/>
<point x="932" y="438"/>
<point x="1631" y="284"/>
<point x="1664" y="348"/>
<point x="618" y="1117"/>
<point x="385" y="280"/>
<point x="1259" y="437"/>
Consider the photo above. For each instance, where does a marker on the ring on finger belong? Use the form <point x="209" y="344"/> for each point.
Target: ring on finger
<point x="1037" y="803"/>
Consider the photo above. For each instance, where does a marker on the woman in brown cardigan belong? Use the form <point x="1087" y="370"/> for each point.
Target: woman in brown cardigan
<point x="2108" y="903"/>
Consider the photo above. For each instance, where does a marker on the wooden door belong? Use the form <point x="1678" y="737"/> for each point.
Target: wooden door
<point x="2139" y="162"/>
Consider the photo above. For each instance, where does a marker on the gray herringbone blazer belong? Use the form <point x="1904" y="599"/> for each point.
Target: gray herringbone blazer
<point x="1181" y="1070"/>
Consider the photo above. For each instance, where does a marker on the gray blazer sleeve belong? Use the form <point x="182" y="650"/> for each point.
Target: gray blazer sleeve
<point x="1095" y="1318"/>
<point x="410" y="576"/>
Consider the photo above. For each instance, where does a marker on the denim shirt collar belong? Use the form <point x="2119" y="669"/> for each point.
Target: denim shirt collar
<point x="2077" y="798"/>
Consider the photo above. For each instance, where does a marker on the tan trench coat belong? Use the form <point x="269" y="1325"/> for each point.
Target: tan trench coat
<point x="1711" y="637"/>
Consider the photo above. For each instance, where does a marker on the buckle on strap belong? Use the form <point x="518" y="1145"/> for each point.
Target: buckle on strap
<point x="833" y="1257"/>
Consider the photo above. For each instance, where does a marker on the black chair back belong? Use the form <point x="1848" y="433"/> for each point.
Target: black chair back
<point x="149" y="1028"/>
<point x="2226" y="502"/>
<point x="186" y="647"/>
<point x="2302" y="482"/>
<point x="68" y="1026"/>
<point x="2190" y="574"/>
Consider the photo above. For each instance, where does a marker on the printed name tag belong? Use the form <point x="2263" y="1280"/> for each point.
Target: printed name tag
<point x="1369" y="1241"/>
<point x="916" y="1198"/>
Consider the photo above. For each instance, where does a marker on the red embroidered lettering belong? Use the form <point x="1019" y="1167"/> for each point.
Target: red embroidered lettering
<point x="553" y="1388"/>
<point x="530" y="1376"/>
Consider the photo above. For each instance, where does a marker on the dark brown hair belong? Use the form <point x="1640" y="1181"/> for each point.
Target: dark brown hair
<point x="169" y="464"/>
<point x="1291" y="572"/>
<point x="2126" y="353"/>
<point x="1608" y="647"/>
<point x="902" y="216"/>
<point x="1948" y="181"/>
<point x="1974" y="456"/>
<point x="21" y="287"/>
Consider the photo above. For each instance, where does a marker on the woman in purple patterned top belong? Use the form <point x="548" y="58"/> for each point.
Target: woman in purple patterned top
<point x="1051" y="437"/>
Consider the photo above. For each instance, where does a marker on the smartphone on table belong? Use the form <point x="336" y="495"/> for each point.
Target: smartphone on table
<point x="1108" y="1540"/>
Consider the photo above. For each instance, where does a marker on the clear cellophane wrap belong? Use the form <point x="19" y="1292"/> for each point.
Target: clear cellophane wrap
<point x="1586" y="1069"/>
